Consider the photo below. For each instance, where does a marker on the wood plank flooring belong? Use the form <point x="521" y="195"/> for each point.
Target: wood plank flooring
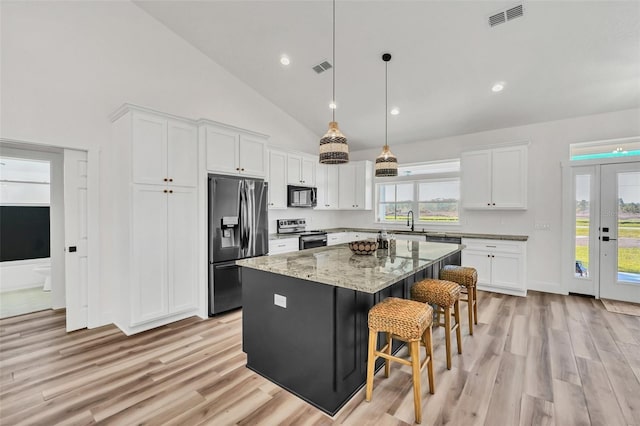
<point x="541" y="360"/>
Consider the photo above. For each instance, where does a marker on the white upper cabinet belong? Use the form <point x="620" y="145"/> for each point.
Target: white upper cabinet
<point x="277" y="179"/>
<point x="495" y="179"/>
<point x="301" y="170"/>
<point x="164" y="151"/>
<point x="233" y="152"/>
<point x="355" y="180"/>
<point x="327" y="181"/>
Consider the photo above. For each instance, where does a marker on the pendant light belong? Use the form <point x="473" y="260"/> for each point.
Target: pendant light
<point x="386" y="162"/>
<point x="333" y="145"/>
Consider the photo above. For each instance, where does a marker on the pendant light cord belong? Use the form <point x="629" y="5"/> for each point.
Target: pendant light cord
<point x="335" y="105"/>
<point x="386" y="96"/>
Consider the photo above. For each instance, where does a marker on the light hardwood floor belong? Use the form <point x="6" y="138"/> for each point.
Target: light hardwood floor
<point x="541" y="360"/>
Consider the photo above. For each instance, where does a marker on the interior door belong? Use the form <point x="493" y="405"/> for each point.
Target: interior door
<point x="75" y="224"/>
<point x="620" y="232"/>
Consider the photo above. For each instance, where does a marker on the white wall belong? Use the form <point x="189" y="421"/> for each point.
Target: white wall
<point x="549" y="146"/>
<point x="66" y="66"/>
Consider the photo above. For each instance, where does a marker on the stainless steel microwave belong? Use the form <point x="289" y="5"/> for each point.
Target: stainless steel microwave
<point x="301" y="196"/>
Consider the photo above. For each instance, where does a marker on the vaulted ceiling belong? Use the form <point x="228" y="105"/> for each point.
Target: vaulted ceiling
<point x="560" y="59"/>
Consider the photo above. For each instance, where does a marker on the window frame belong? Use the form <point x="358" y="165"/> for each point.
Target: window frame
<point x="416" y="180"/>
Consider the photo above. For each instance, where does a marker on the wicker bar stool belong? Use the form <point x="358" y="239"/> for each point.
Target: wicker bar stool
<point x="467" y="277"/>
<point x="445" y="295"/>
<point x="410" y="322"/>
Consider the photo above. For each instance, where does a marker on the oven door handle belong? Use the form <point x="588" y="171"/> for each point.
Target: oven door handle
<point x="310" y="239"/>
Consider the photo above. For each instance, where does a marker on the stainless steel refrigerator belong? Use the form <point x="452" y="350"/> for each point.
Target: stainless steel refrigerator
<point x="238" y="229"/>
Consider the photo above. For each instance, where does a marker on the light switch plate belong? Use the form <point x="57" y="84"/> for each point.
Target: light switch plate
<point x="280" y="300"/>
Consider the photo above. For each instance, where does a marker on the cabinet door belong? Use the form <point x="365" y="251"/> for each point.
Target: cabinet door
<point x="481" y="260"/>
<point x="149" y="149"/>
<point x="360" y="190"/>
<point x="223" y="151"/>
<point x="509" y="178"/>
<point x="308" y="172"/>
<point x="294" y="169"/>
<point x="182" y="262"/>
<point x="182" y="149"/>
<point x="277" y="180"/>
<point x="333" y="186"/>
<point x="475" y="171"/>
<point x="149" y="295"/>
<point x="336" y="238"/>
<point x="506" y="271"/>
<point x="346" y="193"/>
<point x="253" y="154"/>
<point x="322" y="177"/>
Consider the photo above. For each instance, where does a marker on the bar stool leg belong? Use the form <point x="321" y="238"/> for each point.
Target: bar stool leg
<point x="470" y="305"/>
<point x="387" y="361"/>
<point x="371" y="362"/>
<point x="428" y="344"/>
<point x="456" y="313"/>
<point x="475" y="305"/>
<point x="447" y="334"/>
<point x="414" y="347"/>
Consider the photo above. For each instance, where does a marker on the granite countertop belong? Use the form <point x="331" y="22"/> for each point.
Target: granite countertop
<point x="454" y="234"/>
<point x="338" y="266"/>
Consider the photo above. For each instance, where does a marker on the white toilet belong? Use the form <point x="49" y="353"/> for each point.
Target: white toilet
<point x="44" y="270"/>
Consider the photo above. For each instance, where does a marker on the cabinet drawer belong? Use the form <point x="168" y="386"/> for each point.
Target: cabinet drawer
<point x="285" y="245"/>
<point x="493" y="246"/>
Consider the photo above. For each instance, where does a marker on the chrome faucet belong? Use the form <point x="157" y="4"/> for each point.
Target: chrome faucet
<point x="410" y="213"/>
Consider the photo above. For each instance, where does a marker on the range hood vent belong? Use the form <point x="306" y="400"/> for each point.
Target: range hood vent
<point x="506" y="15"/>
<point x="322" y="67"/>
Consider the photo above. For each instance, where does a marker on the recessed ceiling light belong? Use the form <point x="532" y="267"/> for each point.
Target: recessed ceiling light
<point x="498" y="87"/>
<point x="395" y="111"/>
<point x="284" y="60"/>
<point x="333" y="105"/>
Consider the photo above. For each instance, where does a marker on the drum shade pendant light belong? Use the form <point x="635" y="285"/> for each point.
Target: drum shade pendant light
<point x="386" y="162"/>
<point x="333" y="145"/>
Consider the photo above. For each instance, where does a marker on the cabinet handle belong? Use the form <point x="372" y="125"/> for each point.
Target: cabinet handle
<point x="492" y="256"/>
<point x="165" y="179"/>
<point x="171" y="191"/>
<point x="242" y="170"/>
<point x="488" y="204"/>
<point x="165" y="191"/>
<point x="494" y="204"/>
<point x="491" y="246"/>
<point x="170" y="179"/>
<point x="488" y="255"/>
<point x="238" y="168"/>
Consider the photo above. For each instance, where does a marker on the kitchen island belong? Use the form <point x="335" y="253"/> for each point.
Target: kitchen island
<point x="305" y="313"/>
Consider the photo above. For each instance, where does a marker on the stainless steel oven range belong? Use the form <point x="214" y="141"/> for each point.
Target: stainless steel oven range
<point x="307" y="239"/>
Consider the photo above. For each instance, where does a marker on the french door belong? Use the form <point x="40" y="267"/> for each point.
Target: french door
<point x="606" y="231"/>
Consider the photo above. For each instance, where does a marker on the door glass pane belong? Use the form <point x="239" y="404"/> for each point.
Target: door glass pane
<point x="583" y="216"/>
<point x="629" y="227"/>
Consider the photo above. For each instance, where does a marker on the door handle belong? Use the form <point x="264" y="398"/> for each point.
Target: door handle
<point x="73" y="249"/>
<point x="609" y="239"/>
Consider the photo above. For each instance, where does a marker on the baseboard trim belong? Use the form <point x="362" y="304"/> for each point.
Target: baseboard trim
<point x="546" y="287"/>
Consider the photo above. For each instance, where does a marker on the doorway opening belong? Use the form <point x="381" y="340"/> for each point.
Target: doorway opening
<point x="602" y="222"/>
<point x="25" y="262"/>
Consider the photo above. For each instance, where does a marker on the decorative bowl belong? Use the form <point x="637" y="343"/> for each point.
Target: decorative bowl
<point x="363" y="246"/>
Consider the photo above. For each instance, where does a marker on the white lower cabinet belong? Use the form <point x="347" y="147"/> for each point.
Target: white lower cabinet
<point x="336" y="238"/>
<point x="501" y="265"/>
<point x="283" y="245"/>
<point x="164" y="246"/>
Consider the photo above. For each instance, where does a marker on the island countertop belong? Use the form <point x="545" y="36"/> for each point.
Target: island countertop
<point x="338" y="266"/>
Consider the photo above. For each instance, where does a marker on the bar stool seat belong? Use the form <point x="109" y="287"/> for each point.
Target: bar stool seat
<point x="467" y="277"/>
<point x="408" y="321"/>
<point x="445" y="295"/>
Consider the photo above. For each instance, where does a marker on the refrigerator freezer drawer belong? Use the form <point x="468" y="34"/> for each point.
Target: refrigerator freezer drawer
<point x="225" y="287"/>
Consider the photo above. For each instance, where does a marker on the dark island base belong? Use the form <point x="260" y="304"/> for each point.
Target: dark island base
<point x="316" y="347"/>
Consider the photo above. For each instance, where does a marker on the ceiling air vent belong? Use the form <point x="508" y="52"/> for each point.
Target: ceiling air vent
<point x="322" y="67"/>
<point x="514" y="12"/>
<point x="506" y="15"/>
<point x="496" y="19"/>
